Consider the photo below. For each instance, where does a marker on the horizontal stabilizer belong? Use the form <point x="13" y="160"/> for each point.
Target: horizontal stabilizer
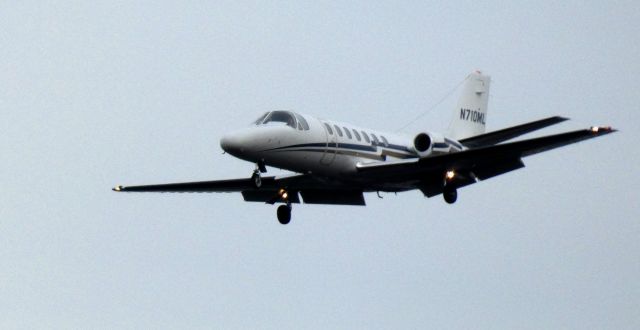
<point x="502" y="135"/>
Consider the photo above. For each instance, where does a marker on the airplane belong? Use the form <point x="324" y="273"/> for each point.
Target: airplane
<point x="336" y="163"/>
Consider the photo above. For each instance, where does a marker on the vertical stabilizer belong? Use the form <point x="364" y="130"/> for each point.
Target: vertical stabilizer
<point x="470" y="115"/>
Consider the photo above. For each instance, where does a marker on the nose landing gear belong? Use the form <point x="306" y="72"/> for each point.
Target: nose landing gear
<point x="256" y="177"/>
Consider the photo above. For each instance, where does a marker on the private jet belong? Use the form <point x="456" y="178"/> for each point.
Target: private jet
<point x="336" y="163"/>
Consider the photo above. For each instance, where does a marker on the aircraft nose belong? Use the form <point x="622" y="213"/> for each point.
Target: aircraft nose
<point x="231" y="144"/>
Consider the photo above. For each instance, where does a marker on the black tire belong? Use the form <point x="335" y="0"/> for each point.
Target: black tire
<point x="450" y="195"/>
<point x="257" y="180"/>
<point x="284" y="214"/>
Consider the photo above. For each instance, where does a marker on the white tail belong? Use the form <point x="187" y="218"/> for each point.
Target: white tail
<point x="470" y="114"/>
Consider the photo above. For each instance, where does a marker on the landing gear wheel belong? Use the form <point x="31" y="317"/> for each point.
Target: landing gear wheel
<point x="450" y="195"/>
<point x="284" y="214"/>
<point x="257" y="179"/>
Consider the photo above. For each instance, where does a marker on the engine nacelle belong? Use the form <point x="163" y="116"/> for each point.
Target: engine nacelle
<point x="426" y="143"/>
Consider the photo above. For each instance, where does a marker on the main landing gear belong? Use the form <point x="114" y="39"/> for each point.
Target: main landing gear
<point x="450" y="193"/>
<point x="284" y="211"/>
<point x="284" y="214"/>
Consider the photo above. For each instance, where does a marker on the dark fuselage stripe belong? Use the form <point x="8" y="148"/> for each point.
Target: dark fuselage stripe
<point x="349" y="149"/>
<point x="336" y="151"/>
<point x="371" y="148"/>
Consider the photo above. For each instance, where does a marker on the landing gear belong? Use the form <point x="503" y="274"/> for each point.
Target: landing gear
<point x="449" y="192"/>
<point x="257" y="179"/>
<point x="450" y="195"/>
<point x="284" y="214"/>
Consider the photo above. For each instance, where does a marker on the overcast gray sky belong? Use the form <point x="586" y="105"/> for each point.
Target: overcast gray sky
<point x="99" y="93"/>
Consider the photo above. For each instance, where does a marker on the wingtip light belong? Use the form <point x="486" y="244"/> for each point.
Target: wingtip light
<point x="596" y="129"/>
<point x="117" y="188"/>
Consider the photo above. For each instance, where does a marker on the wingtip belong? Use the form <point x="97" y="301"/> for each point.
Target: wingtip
<point x="117" y="188"/>
<point x="602" y="129"/>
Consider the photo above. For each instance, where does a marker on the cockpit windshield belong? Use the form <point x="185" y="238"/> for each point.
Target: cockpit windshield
<point x="288" y="118"/>
<point x="281" y="117"/>
<point x="261" y="119"/>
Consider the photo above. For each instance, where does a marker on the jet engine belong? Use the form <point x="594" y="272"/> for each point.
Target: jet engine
<point x="425" y="143"/>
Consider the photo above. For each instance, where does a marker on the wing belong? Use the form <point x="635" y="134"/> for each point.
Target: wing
<point x="234" y="185"/>
<point x="272" y="190"/>
<point x="502" y="135"/>
<point x="480" y="163"/>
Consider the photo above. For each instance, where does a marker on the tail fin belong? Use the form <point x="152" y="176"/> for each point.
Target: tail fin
<point x="471" y="113"/>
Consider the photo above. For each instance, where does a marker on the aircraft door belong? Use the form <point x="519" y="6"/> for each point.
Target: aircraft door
<point x="331" y="145"/>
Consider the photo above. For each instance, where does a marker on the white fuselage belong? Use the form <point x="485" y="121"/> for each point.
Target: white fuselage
<point x="322" y="147"/>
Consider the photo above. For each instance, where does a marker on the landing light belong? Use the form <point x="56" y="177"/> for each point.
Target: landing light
<point x="117" y="188"/>
<point x="450" y="174"/>
<point x="595" y="129"/>
<point x="283" y="193"/>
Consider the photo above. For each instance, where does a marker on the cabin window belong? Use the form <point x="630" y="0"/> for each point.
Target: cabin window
<point x="357" y="135"/>
<point x="375" y="139"/>
<point x="346" y="131"/>
<point x="384" y="139"/>
<point x="328" y="128"/>
<point x="366" y="137"/>
<point x="338" y="130"/>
